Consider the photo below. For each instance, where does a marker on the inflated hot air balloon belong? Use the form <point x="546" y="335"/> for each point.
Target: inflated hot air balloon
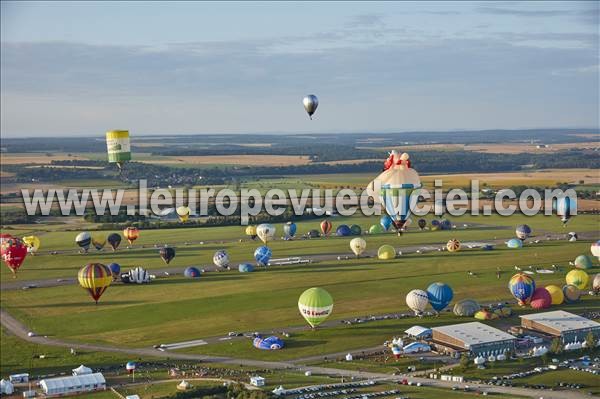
<point x="466" y="308"/>
<point x="98" y="241"/>
<point x="310" y="102"/>
<point x="355" y="230"/>
<point x="565" y="208"/>
<point x="358" y="246"/>
<point x="396" y="185"/>
<point x="183" y="212"/>
<point x="118" y="147"/>
<point x="571" y="293"/>
<point x="95" y="278"/>
<point x="541" y="299"/>
<point x="221" y="259"/>
<point x="263" y="255"/>
<point x="440" y="295"/>
<point x="453" y="245"/>
<point x="376" y="229"/>
<point x="523" y="232"/>
<point x="131" y="234"/>
<point x="578" y="278"/>
<point x="343" y="231"/>
<point x="265" y="232"/>
<point x="386" y="252"/>
<point x="33" y="244"/>
<point x="251" y="232"/>
<point x="114" y="240"/>
<point x="435" y="225"/>
<point x="192" y="272"/>
<point x="315" y="305"/>
<point x="270" y="343"/>
<point x="167" y="254"/>
<point x="84" y="240"/>
<point x="13" y="252"/>
<point x="583" y="262"/>
<point x="130" y="367"/>
<point x="289" y="229"/>
<point x="514" y="243"/>
<point x="245" y="268"/>
<point x="417" y="301"/>
<point x="595" y="249"/>
<point x="386" y="222"/>
<point x="326" y="227"/>
<point x="556" y="294"/>
<point x="115" y="270"/>
<point x="422" y="223"/>
<point x="522" y="287"/>
<point x="596" y="283"/>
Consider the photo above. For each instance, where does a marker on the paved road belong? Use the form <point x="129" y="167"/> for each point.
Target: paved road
<point x="18" y="329"/>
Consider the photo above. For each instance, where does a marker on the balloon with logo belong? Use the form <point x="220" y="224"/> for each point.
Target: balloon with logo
<point x="522" y="287"/>
<point x="310" y="102"/>
<point x="578" y="278"/>
<point x="523" y="231"/>
<point x="440" y="295"/>
<point x="262" y="255"/>
<point x="422" y="223"/>
<point x="358" y="246"/>
<point x="33" y="244"/>
<point x="221" y="259"/>
<point x="84" y="240"/>
<point x="95" y="279"/>
<point x="326" y="227"/>
<point x="114" y="240"/>
<point x="167" y="254"/>
<point x="417" y="301"/>
<point x="315" y="305"/>
<point x="289" y="229"/>
<point x="98" y="241"/>
<point x="251" y="232"/>
<point x="565" y="208"/>
<point x="265" y="232"/>
<point x="453" y="245"/>
<point x="13" y="252"/>
<point x="131" y="234"/>
<point x="183" y="212"/>
<point x="118" y="147"/>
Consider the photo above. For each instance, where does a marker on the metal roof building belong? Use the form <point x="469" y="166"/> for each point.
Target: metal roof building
<point x="71" y="385"/>
<point x="568" y="326"/>
<point x="475" y="337"/>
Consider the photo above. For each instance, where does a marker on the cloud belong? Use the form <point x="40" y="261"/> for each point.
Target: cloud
<point x="366" y="20"/>
<point x="520" y="12"/>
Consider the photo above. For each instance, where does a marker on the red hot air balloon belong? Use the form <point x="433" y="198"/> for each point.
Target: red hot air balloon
<point x="326" y="227"/>
<point x="541" y="299"/>
<point x="13" y="253"/>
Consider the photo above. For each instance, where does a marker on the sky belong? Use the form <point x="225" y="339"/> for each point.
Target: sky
<point x="81" y="68"/>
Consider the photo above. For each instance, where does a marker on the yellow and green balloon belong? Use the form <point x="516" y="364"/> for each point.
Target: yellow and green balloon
<point x="315" y="305"/>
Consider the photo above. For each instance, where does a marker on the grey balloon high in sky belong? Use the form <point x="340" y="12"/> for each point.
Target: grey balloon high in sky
<point x="311" y="102"/>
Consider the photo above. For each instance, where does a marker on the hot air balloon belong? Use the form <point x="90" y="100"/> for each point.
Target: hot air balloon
<point x="578" y="278"/>
<point x="422" y="223"/>
<point x="313" y="233"/>
<point x="435" y="225"/>
<point x="522" y="287"/>
<point x="221" y="259"/>
<point x="115" y="270"/>
<point x="445" y="224"/>
<point x="84" y="240"/>
<point x="523" y="231"/>
<point x="326" y="227"/>
<point x="130" y="367"/>
<point x="137" y="275"/>
<point x="386" y="222"/>
<point x="541" y="299"/>
<point x="315" y="305"/>
<point x="417" y="301"/>
<point x="376" y="229"/>
<point x="13" y="252"/>
<point x="439" y="295"/>
<point x="358" y="246"/>
<point x="466" y="308"/>
<point x="565" y="208"/>
<point x="556" y="294"/>
<point x="397" y="183"/>
<point x="386" y="252"/>
<point x="95" y="278"/>
<point x="251" y="232"/>
<point x="514" y="243"/>
<point x="265" y="232"/>
<point x="245" y="268"/>
<point x="595" y="249"/>
<point x="343" y="230"/>
<point x="355" y="230"/>
<point x="118" y="147"/>
<point x="263" y="255"/>
<point x="453" y="245"/>
<point x="310" y="102"/>
<point x="32" y="243"/>
<point x="269" y="343"/>
<point x="131" y="234"/>
<point x="114" y="240"/>
<point x="485" y="314"/>
<point x="571" y="293"/>
<point x="583" y="262"/>
<point x="192" y="272"/>
<point x="596" y="283"/>
<point x="98" y="241"/>
<point x="167" y="254"/>
<point x="183" y="212"/>
<point x="289" y="229"/>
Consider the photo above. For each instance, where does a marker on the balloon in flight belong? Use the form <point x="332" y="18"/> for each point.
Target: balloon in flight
<point x="167" y="254"/>
<point x="84" y="240"/>
<point x="565" y="208"/>
<point x="251" y="232"/>
<point x="98" y="241"/>
<point x="310" y="102"/>
<point x="95" y="279"/>
<point x="265" y="232"/>
<point x="289" y="229"/>
<point x="114" y="240"/>
<point x="417" y="300"/>
<point x="315" y="305"/>
<point x="183" y="212"/>
<point x="358" y="246"/>
<point x="13" y="252"/>
<point x="33" y="243"/>
<point x="131" y="234"/>
<point x="326" y="227"/>
<point x="118" y="147"/>
<point x="440" y="295"/>
<point x="422" y="223"/>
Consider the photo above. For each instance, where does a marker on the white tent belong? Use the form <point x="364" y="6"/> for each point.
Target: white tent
<point x="278" y="391"/>
<point x="82" y="370"/>
<point x="6" y="387"/>
<point x="184" y="385"/>
<point x="349" y="357"/>
<point x="72" y="385"/>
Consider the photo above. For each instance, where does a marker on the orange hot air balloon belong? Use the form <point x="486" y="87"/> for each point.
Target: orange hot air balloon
<point x="13" y="252"/>
<point x="326" y="227"/>
<point x="95" y="279"/>
<point x="131" y="234"/>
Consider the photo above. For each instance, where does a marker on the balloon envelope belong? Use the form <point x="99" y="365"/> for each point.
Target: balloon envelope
<point x="269" y="343"/>
<point x="167" y="254"/>
<point x="523" y="231"/>
<point x="192" y="272"/>
<point x="310" y="102"/>
<point x="595" y="249"/>
<point x="289" y="229"/>
<point x="386" y="252"/>
<point x="98" y="241"/>
<point x="541" y="299"/>
<point x="565" y="208"/>
<point x="422" y="223"/>
<point x="114" y="240"/>
<point x="571" y="293"/>
<point x="221" y="258"/>
<point x="583" y="262"/>
<point x="95" y="279"/>
<point x="315" y="305"/>
<point x="521" y="287"/>
<point x="596" y="282"/>
<point x="355" y="230"/>
<point x="265" y="232"/>
<point x="115" y="270"/>
<point x="33" y="243"/>
<point x="440" y="295"/>
<point x="245" y="268"/>
<point x="13" y="252"/>
<point x="343" y="230"/>
<point x="84" y="240"/>
<point x="417" y="300"/>
<point x="556" y="294"/>
<point x="263" y="255"/>
<point x="358" y="246"/>
<point x="466" y="307"/>
<point x="183" y="212"/>
<point x="453" y="245"/>
<point x="118" y="146"/>
<point x="376" y="229"/>
<point x="386" y="222"/>
<point x="131" y="234"/>
<point x="578" y="278"/>
<point x="514" y="243"/>
<point x="326" y="227"/>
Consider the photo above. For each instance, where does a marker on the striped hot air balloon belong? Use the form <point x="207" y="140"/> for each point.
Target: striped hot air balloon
<point x="453" y="245"/>
<point x="522" y="287"/>
<point x="131" y="234"/>
<point x="326" y="227"/>
<point x="95" y="279"/>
